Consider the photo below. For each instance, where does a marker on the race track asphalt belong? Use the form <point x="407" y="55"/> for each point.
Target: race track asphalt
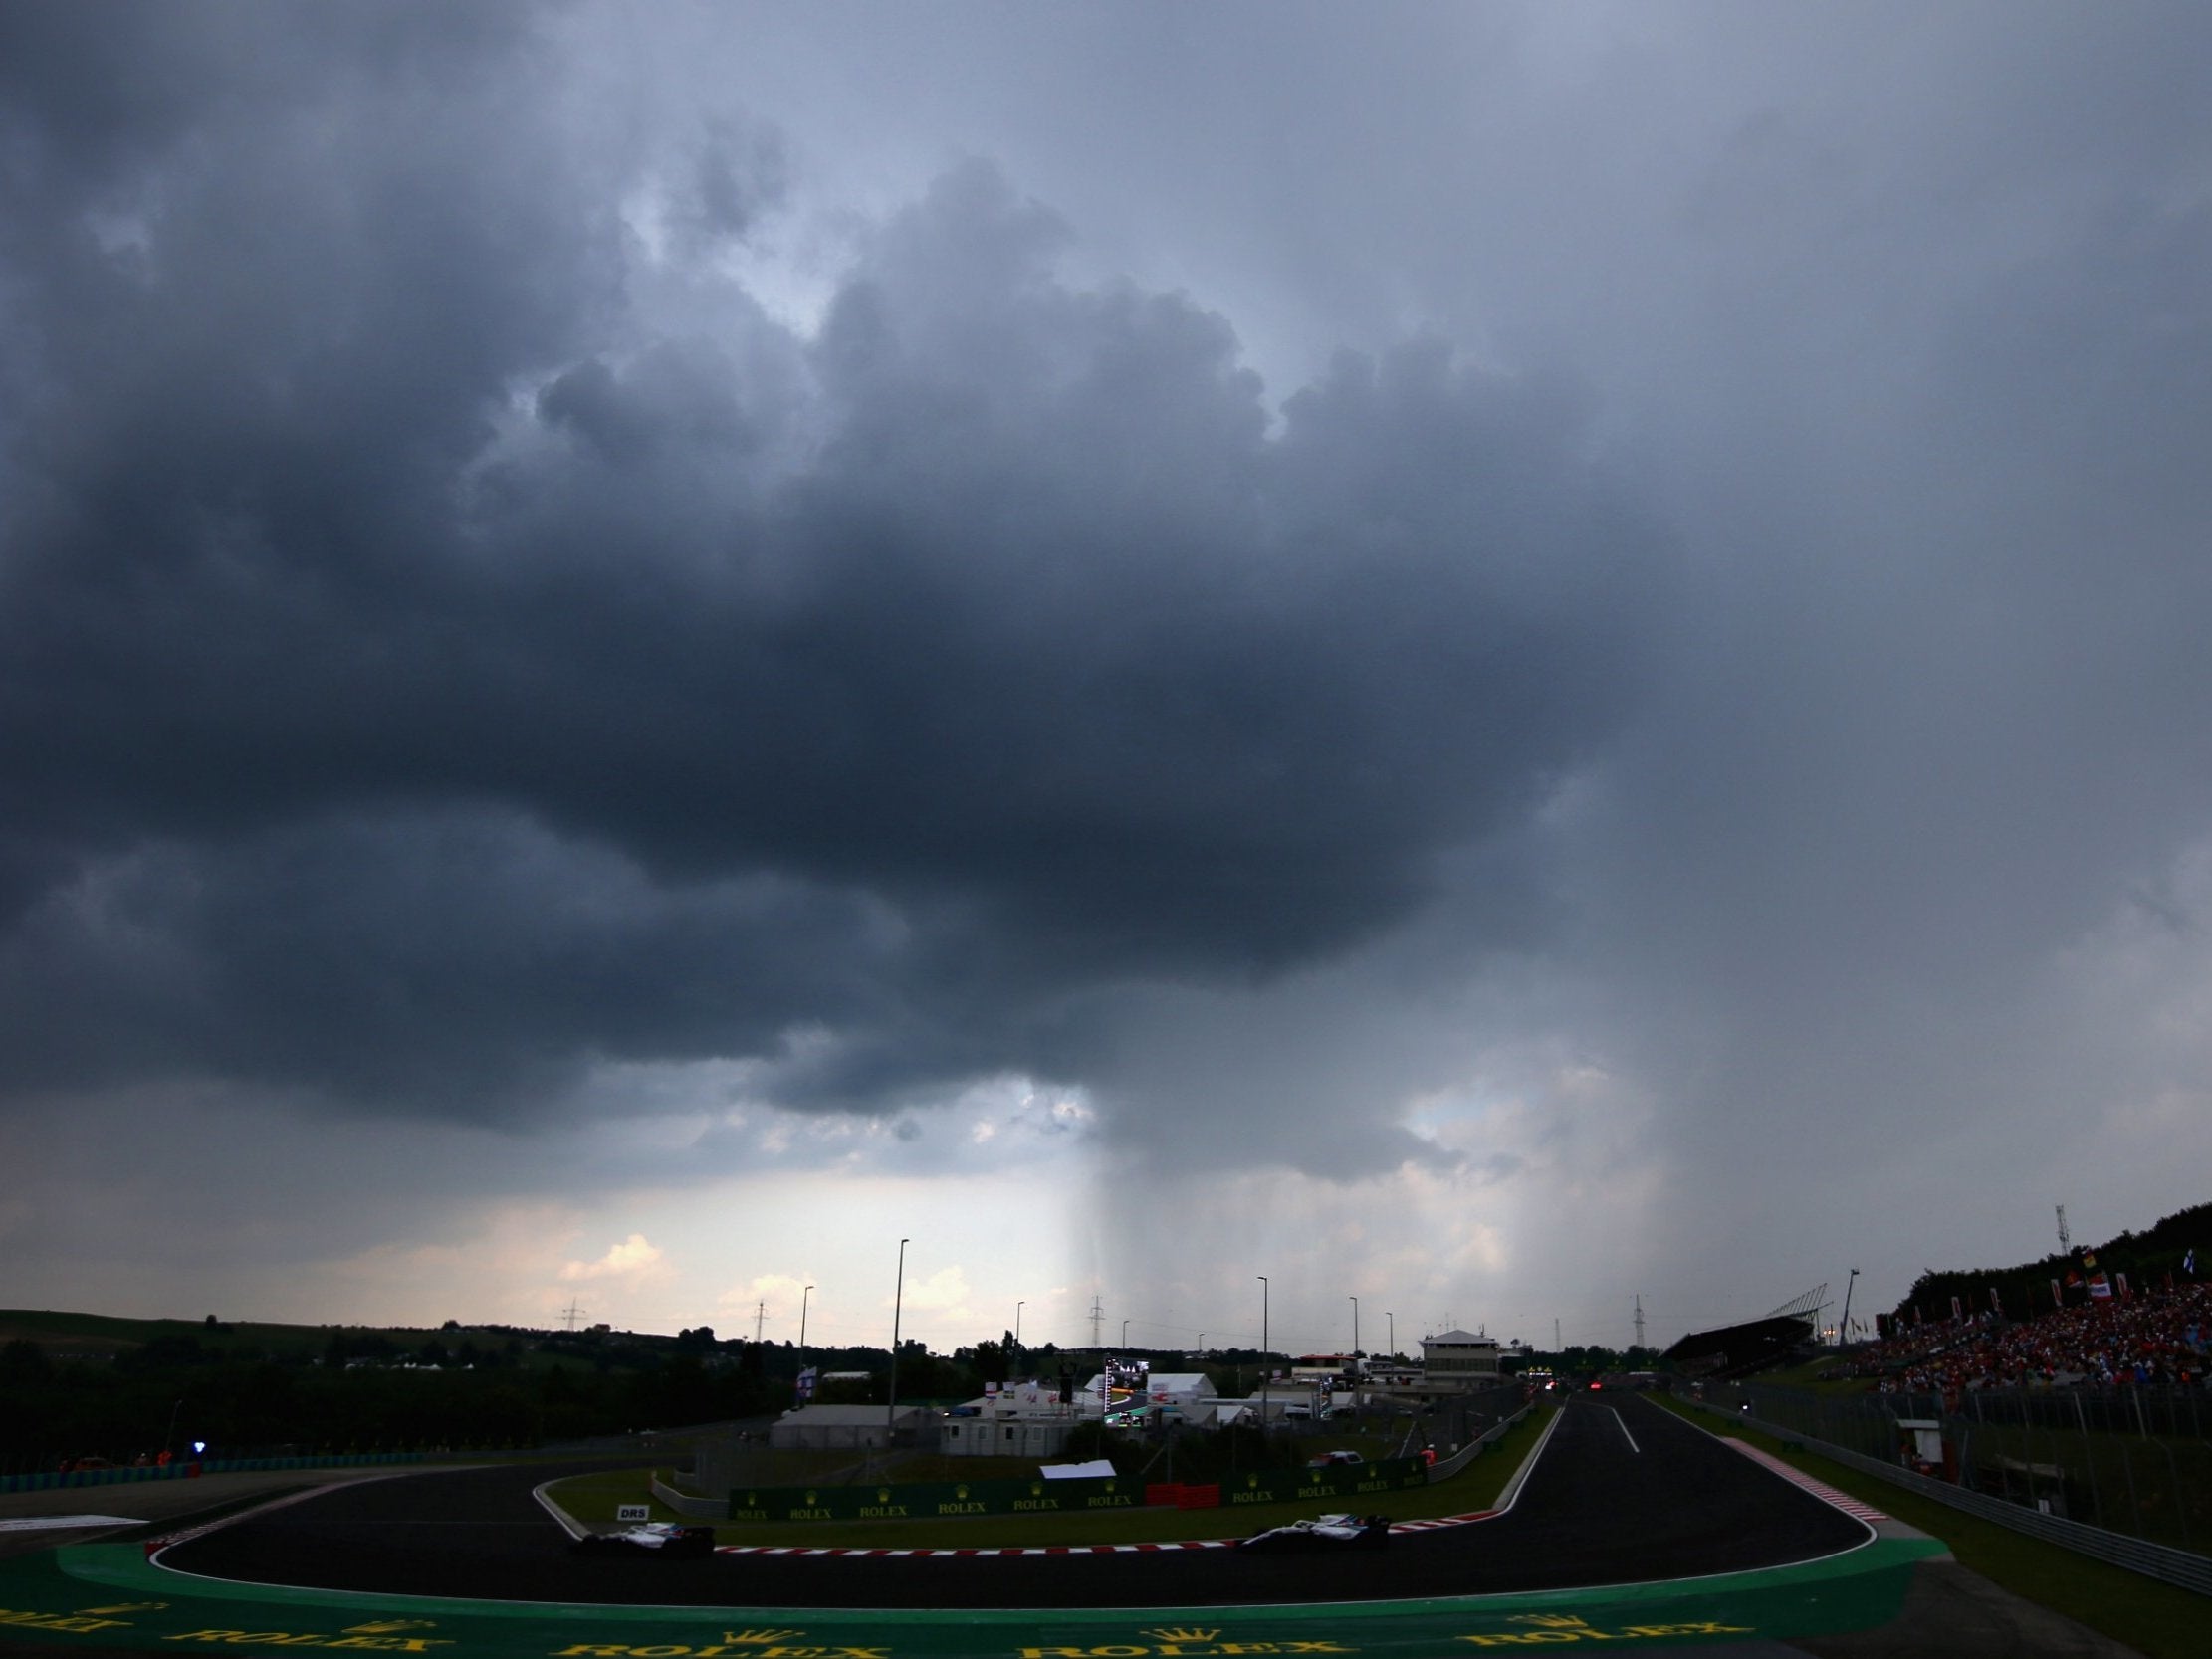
<point x="1624" y="1493"/>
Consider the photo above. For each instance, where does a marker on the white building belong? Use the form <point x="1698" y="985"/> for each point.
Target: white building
<point x="1459" y="1359"/>
<point x="838" y="1428"/>
<point x="1026" y="1419"/>
<point x="1022" y="1419"/>
<point x="1280" y="1406"/>
<point x="1008" y="1436"/>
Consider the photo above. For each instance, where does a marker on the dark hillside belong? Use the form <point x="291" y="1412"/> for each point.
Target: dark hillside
<point x="2145" y="1258"/>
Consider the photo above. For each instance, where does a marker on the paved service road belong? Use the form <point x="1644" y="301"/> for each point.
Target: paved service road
<point x="1623" y="1493"/>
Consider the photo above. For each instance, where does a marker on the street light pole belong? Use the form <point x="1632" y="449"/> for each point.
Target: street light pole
<point x="1392" y="1318"/>
<point x="802" y="1298"/>
<point x="898" y="1300"/>
<point x="1264" y="1366"/>
<point x="1355" y="1332"/>
<point x="1843" y="1333"/>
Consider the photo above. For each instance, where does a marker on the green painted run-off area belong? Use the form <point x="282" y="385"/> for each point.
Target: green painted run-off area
<point x="109" y="1596"/>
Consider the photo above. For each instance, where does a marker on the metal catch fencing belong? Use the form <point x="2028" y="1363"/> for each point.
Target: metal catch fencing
<point x="2134" y="1462"/>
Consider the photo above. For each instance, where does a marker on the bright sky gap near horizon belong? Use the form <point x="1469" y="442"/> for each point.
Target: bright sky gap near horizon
<point x="1493" y="659"/>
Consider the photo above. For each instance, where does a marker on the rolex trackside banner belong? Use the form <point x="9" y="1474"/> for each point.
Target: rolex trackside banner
<point x="929" y="1500"/>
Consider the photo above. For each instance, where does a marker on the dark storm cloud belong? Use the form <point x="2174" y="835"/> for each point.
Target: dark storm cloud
<point x="426" y="668"/>
<point x="428" y="964"/>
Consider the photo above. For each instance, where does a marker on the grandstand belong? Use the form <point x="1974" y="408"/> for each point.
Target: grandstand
<point x="2157" y="1337"/>
<point x="1736" y="1350"/>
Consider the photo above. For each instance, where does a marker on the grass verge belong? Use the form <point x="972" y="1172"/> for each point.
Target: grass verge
<point x="594" y="1498"/>
<point x="2160" y="1621"/>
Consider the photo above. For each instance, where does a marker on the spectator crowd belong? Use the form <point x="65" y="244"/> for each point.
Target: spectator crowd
<point x="2159" y="1339"/>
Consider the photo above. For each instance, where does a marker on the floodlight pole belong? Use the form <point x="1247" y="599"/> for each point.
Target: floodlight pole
<point x="898" y="1297"/>
<point x="1392" y="1318"/>
<point x="1355" y="1333"/>
<point x="1843" y="1332"/>
<point x="803" y="1297"/>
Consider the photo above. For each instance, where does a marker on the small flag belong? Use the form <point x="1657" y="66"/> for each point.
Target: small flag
<point x="2100" y="1288"/>
<point x="2189" y="1262"/>
<point x="1996" y="1303"/>
<point x="2058" y="1298"/>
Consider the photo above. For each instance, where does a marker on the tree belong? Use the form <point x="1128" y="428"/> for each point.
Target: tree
<point x="23" y="1363"/>
<point x="992" y="1361"/>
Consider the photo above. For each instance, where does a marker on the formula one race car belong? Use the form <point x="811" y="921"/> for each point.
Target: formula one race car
<point x="665" y="1539"/>
<point x="1324" y="1531"/>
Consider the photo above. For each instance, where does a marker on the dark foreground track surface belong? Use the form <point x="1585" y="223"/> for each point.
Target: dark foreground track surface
<point x="1624" y="1493"/>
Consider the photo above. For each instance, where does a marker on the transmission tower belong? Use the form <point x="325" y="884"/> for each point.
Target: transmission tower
<point x="760" y="1317"/>
<point x="1640" y="1319"/>
<point x="574" y="1313"/>
<point x="2066" y="1242"/>
<point x="1098" y="1320"/>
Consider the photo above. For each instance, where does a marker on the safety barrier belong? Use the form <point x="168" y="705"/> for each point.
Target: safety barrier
<point x="1446" y="1467"/>
<point x="1332" y="1481"/>
<point x="684" y="1504"/>
<point x="2152" y="1560"/>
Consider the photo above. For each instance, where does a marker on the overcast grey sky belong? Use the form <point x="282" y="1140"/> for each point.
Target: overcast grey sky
<point x="1489" y="658"/>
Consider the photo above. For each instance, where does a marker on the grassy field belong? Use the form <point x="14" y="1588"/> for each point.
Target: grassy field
<point x="2160" y="1490"/>
<point x="66" y="1336"/>
<point x="1823" y="1375"/>
<point x="758" y="1464"/>
<point x="594" y="1498"/>
<point x="2157" y="1620"/>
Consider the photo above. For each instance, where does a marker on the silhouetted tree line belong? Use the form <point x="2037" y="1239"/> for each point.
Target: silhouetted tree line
<point x="265" y="1408"/>
<point x="456" y="1387"/>
<point x="1582" y="1359"/>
